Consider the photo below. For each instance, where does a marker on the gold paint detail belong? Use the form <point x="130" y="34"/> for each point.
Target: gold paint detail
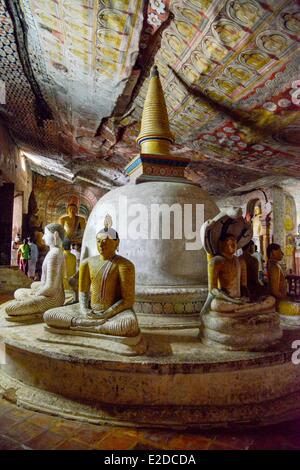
<point x="155" y="123"/>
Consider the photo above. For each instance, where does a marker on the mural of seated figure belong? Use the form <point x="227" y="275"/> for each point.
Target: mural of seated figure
<point x="109" y="281"/>
<point x="230" y="320"/>
<point x="31" y="303"/>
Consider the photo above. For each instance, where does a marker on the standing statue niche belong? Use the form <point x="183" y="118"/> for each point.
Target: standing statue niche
<point x="230" y="319"/>
<point x="73" y="223"/>
<point x="34" y="225"/>
<point x="257" y="226"/>
<point x="31" y="303"/>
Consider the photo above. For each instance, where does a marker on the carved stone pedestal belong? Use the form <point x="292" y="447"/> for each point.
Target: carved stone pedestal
<point x="177" y="383"/>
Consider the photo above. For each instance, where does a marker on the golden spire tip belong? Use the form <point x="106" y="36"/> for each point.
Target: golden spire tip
<point x="154" y="71"/>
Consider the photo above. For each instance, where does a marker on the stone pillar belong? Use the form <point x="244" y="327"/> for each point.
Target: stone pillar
<point x="278" y="216"/>
<point x="6" y="216"/>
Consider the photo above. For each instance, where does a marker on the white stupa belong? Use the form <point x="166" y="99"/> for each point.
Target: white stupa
<point x="171" y="268"/>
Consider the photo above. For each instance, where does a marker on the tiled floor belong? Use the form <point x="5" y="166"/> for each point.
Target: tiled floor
<point x="24" y="429"/>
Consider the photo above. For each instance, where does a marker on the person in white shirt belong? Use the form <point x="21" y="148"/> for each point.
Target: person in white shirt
<point x="34" y="254"/>
<point x="15" y="245"/>
<point x="76" y="251"/>
<point x="260" y="260"/>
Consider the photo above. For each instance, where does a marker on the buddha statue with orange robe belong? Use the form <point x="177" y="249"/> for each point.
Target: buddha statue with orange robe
<point x="73" y="223"/>
<point x="106" y="294"/>
<point x="230" y="320"/>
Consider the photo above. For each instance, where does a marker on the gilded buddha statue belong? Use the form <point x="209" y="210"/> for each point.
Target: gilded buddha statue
<point x="230" y="319"/>
<point x="108" y="280"/>
<point x="73" y="223"/>
<point x="285" y="306"/>
<point x="69" y="264"/>
<point x="47" y="293"/>
<point x="70" y="276"/>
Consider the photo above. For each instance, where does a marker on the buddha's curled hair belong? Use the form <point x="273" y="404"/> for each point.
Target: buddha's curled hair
<point x="108" y="230"/>
<point x="57" y="228"/>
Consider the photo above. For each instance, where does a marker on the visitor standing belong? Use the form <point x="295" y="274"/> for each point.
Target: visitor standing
<point x="34" y="254"/>
<point x="76" y="251"/>
<point x="260" y="260"/>
<point x="24" y="252"/>
<point x="15" y="245"/>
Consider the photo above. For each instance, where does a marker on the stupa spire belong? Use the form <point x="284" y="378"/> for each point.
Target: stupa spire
<point x="155" y="135"/>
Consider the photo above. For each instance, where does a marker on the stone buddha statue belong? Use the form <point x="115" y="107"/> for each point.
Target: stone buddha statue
<point x="109" y="281"/>
<point x="73" y="223"/>
<point x="288" y="310"/>
<point x="230" y="320"/>
<point x="47" y="293"/>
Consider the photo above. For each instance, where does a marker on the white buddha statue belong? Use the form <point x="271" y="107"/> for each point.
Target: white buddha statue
<point x="47" y="293"/>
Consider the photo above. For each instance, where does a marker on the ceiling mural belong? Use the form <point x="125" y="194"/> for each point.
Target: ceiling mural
<point x="76" y="76"/>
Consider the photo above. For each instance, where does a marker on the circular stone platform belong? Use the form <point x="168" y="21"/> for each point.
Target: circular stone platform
<point x="177" y="383"/>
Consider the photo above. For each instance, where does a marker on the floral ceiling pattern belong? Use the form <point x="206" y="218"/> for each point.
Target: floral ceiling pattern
<point x="76" y="74"/>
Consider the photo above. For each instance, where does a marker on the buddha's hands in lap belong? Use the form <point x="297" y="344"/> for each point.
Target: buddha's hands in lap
<point x="99" y="314"/>
<point x="36" y="285"/>
<point x="45" y="292"/>
<point x="223" y="295"/>
<point x="23" y="294"/>
<point x="86" y="322"/>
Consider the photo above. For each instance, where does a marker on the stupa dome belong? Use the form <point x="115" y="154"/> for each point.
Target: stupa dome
<point x="159" y="262"/>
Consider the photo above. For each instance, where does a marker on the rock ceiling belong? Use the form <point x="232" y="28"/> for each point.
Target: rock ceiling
<point x="76" y="74"/>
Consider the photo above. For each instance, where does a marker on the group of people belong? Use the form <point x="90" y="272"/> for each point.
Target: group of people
<point x="25" y="255"/>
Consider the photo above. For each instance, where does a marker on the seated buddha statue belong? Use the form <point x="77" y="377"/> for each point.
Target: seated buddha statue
<point x="47" y="293"/>
<point x="230" y="320"/>
<point x="108" y="280"/>
<point x="288" y="309"/>
<point x="73" y="223"/>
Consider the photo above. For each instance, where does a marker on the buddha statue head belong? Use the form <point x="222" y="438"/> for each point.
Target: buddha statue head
<point x="54" y="235"/>
<point x="72" y="210"/>
<point x="73" y="206"/>
<point x="249" y="248"/>
<point x="107" y="240"/>
<point x="228" y="245"/>
<point x="257" y="209"/>
<point x="274" y="252"/>
<point x="66" y="244"/>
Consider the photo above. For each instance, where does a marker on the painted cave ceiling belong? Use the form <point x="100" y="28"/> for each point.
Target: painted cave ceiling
<point x="76" y="74"/>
